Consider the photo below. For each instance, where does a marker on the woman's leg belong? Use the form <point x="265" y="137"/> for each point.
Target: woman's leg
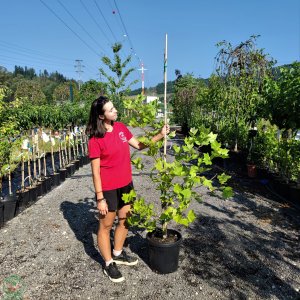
<point x="121" y="229"/>
<point x="103" y="237"/>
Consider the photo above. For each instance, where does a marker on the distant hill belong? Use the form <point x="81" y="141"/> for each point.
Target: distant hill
<point x="159" y="89"/>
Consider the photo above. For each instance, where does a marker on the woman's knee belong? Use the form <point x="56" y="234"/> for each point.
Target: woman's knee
<point x="124" y="212"/>
<point x="122" y="222"/>
<point x="105" y="227"/>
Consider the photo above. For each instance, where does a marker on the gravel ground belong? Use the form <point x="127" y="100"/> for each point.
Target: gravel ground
<point x="246" y="247"/>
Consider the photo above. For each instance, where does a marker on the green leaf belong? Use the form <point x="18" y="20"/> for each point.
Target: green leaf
<point x="191" y="216"/>
<point x="172" y="134"/>
<point x="177" y="188"/>
<point x="208" y="183"/>
<point x="227" y="192"/>
<point x="223" y="178"/>
<point x="206" y="159"/>
<point x="186" y="193"/>
<point x="129" y="197"/>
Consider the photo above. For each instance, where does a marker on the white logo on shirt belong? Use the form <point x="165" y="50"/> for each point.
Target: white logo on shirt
<point x="122" y="137"/>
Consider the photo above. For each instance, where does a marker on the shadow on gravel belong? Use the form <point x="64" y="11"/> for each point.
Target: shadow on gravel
<point x="137" y="244"/>
<point x="82" y="219"/>
<point x="224" y="260"/>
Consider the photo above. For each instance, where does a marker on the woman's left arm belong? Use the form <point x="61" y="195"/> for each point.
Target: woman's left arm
<point x="140" y="146"/>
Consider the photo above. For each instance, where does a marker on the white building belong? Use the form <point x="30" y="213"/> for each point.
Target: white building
<point x="151" y="98"/>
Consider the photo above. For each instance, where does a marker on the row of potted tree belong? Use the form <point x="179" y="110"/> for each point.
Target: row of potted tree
<point x="32" y="164"/>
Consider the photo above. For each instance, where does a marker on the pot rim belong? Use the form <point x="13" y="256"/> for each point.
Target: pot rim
<point x="164" y="245"/>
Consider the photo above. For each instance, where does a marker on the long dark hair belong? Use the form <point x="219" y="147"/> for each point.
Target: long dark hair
<point x="95" y="126"/>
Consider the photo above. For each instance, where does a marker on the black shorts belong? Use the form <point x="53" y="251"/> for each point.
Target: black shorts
<point x="114" y="197"/>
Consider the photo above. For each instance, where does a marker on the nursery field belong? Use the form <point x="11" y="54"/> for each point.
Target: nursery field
<point x="245" y="247"/>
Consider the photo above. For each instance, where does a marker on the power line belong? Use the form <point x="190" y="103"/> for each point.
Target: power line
<point x="29" y="56"/>
<point x="126" y="32"/>
<point x="70" y="28"/>
<point x="20" y="52"/>
<point x="84" y="6"/>
<point x="99" y="9"/>
<point x="122" y="53"/>
<point x="28" y="50"/>
<point x="68" y="12"/>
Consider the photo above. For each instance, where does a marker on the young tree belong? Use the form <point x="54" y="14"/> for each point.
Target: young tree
<point x="92" y="89"/>
<point x="243" y="69"/>
<point x="117" y="85"/>
<point x="30" y="90"/>
<point x="283" y="97"/>
<point x="62" y="92"/>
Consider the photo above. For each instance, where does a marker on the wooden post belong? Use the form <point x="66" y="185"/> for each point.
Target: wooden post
<point x="165" y="96"/>
<point x="164" y="225"/>
<point x="22" y="171"/>
<point x="52" y="153"/>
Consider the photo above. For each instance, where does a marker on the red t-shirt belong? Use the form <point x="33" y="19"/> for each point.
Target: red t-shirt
<point x="113" y="150"/>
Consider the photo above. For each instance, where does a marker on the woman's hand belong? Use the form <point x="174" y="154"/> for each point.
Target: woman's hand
<point x="102" y="207"/>
<point x="165" y="130"/>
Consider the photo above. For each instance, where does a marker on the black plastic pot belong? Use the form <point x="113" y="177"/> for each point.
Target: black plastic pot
<point x="32" y="194"/>
<point x="163" y="256"/>
<point x="9" y="209"/>
<point x="22" y="200"/>
<point x="48" y="184"/>
<point x="69" y="171"/>
<point x="55" y="179"/>
<point x="1" y="214"/>
<point x="77" y="164"/>
<point x="73" y="168"/>
<point x="294" y="194"/>
<point x="86" y="160"/>
<point x="283" y="189"/>
<point x="81" y="161"/>
<point x="63" y="174"/>
<point x="40" y="186"/>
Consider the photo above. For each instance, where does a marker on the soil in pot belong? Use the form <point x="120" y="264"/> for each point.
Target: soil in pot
<point x="164" y="253"/>
<point x="9" y="209"/>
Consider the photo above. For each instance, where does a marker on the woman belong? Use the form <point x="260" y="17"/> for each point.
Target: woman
<point x="111" y="169"/>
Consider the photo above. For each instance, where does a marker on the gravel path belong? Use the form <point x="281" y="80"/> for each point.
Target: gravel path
<point x="243" y="248"/>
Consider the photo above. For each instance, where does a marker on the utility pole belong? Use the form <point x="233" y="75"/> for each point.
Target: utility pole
<point x="79" y="70"/>
<point x="143" y="78"/>
<point x="100" y="76"/>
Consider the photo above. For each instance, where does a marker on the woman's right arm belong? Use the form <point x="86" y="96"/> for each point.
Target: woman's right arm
<point x="101" y="202"/>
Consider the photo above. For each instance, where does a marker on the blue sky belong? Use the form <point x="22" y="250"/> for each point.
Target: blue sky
<point x="52" y="35"/>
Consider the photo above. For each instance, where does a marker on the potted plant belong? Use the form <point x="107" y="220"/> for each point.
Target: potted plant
<point x="176" y="181"/>
<point x="252" y="154"/>
<point x="10" y="162"/>
<point x="55" y="176"/>
<point x="22" y="192"/>
<point x="8" y="200"/>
